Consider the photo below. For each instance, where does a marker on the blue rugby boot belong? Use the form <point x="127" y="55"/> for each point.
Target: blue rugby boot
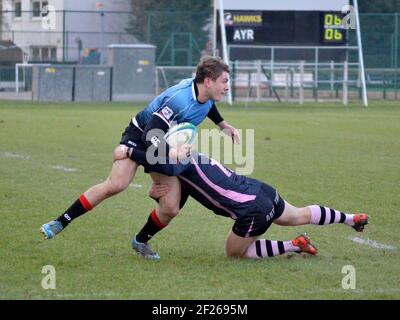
<point x="51" y="229"/>
<point x="144" y="249"/>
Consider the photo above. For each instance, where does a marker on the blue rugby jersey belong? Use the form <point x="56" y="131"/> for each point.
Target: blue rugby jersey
<point x="176" y="104"/>
<point x="209" y="182"/>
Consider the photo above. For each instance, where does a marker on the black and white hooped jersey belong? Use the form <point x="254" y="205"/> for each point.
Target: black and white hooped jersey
<point x="209" y="182"/>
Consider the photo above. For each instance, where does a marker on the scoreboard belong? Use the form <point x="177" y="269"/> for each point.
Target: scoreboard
<point x="287" y="30"/>
<point x="283" y="27"/>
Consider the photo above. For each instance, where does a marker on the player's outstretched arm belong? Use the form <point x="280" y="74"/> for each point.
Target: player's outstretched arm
<point x="169" y="168"/>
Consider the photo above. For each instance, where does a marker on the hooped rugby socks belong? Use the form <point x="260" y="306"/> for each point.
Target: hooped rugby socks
<point x="152" y="226"/>
<point x="323" y="215"/>
<point x="78" y="208"/>
<point x="263" y="248"/>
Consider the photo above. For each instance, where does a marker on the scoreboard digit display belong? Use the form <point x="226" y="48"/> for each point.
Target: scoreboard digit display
<point x="333" y="31"/>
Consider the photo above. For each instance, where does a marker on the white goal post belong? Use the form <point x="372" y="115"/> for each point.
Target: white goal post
<point x="23" y="66"/>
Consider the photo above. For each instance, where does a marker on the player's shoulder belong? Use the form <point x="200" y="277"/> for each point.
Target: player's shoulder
<point x="178" y="97"/>
<point x="182" y="86"/>
<point x="185" y="83"/>
<point x="182" y="91"/>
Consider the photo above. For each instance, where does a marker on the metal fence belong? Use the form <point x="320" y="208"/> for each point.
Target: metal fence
<point x="297" y="81"/>
<point x="74" y="40"/>
<point x="380" y="36"/>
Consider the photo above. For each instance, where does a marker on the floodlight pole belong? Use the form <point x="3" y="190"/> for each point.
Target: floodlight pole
<point x="360" y="54"/>
<point x="224" y="45"/>
<point x="215" y="28"/>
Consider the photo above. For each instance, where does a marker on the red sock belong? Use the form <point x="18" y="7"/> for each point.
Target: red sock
<point x="152" y="226"/>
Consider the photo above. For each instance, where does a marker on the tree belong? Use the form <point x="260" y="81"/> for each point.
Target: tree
<point x="379" y="32"/>
<point x="177" y="27"/>
<point x="382" y="6"/>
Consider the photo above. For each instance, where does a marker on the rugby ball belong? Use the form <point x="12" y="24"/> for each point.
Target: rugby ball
<point x="180" y="134"/>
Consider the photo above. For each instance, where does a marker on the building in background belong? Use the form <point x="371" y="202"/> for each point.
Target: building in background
<point x="63" y="30"/>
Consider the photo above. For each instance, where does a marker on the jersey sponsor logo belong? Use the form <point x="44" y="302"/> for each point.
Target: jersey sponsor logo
<point x="270" y="214"/>
<point x="132" y="143"/>
<point x="167" y="112"/>
<point x="276" y="199"/>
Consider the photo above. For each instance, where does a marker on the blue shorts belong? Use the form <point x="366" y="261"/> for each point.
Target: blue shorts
<point x="268" y="206"/>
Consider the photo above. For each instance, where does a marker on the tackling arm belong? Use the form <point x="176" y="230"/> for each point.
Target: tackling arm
<point x="153" y="134"/>
<point x="169" y="168"/>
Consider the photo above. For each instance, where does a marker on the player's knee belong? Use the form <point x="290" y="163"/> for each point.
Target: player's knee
<point x="170" y="210"/>
<point x="117" y="150"/>
<point x="230" y="254"/>
<point x="233" y="252"/>
<point x="114" y="187"/>
<point x="304" y="215"/>
<point x="169" y="207"/>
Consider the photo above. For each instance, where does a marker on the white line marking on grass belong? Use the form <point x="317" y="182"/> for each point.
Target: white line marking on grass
<point x="78" y="295"/>
<point x="86" y="295"/>
<point x="372" y="243"/>
<point x="324" y="290"/>
<point x="13" y="155"/>
<point x="62" y="168"/>
<point x="133" y="185"/>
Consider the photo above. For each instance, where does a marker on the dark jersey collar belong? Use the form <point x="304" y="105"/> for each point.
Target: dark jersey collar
<point x="196" y="92"/>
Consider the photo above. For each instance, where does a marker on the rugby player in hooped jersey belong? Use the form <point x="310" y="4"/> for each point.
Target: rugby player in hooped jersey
<point x="253" y="204"/>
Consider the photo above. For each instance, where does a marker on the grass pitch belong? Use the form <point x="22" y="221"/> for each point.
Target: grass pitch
<point x="347" y="158"/>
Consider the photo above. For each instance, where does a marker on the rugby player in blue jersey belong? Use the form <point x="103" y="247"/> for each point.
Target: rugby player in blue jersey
<point x="192" y="100"/>
<point x="253" y="204"/>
